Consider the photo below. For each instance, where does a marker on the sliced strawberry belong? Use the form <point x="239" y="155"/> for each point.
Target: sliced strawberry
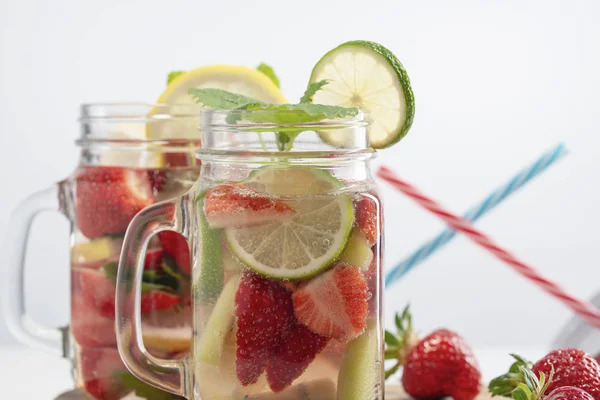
<point x="158" y="178"/>
<point x="107" y="198"/>
<point x="153" y="259"/>
<point x="264" y="312"/>
<point x="227" y="206"/>
<point x="99" y="293"/>
<point x="97" y="290"/>
<point x="98" y="367"/>
<point x="298" y="348"/>
<point x="176" y="246"/>
<point x="372" y="283"/>
<point x="158" y="300"/>
<point x="367" y="216"/>
<point x="89" y="327"/>
<point x="334" y="303"/>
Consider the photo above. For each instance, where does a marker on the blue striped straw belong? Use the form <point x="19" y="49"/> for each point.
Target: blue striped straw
<point x="473" y="214"/>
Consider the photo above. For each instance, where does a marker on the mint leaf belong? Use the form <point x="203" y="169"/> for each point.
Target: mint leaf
<point x="268" y="71"/>
<point x="173" y="75"/>
<point x="142" y="389"/>
<point x="217" y="98"/>
<point x="311" y="90"/>
<point x="291" y="114"/>
<point x="168" y="280"/>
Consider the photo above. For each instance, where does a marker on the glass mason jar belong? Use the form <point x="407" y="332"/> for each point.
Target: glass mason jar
<point x="286" y="238"/>
<point x="119" y="173"/>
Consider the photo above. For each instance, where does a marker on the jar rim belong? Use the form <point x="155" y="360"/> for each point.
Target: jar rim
<point x="136" y="112"/>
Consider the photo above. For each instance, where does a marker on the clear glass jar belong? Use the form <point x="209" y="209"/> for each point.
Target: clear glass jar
<point x="286" y="238"/>
<point x="119" y="173"/>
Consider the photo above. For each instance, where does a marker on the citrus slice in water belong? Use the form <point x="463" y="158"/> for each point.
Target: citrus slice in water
<point x="302" y="245"/>
<point x="367" y="75"/>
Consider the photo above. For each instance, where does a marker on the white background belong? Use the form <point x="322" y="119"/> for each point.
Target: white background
<point x="496" y="84"/>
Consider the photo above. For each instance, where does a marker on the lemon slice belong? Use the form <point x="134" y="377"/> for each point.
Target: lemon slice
<point x="168" y="331"/>
<point x="367" y="75"/>
<point x="237" y="79"/>
<point x="306" y="243"/>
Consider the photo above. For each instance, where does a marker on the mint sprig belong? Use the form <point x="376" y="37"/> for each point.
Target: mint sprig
<point x="222" y="99"/>
<point x="268" y="71"/>
<point x="311" y="90"/>
<point x="283" y="115"/>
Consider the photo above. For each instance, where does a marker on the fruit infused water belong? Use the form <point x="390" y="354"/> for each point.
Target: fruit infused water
<point x="105" y="200"/>
<point x="297" y="314"/>
<point x="285" y="227"/>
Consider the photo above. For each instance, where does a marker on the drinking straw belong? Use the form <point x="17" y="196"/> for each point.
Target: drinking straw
<point x="473" y="214"/>
<point x="582" y="308"/>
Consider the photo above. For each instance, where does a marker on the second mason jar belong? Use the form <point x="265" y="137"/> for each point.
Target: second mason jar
<point x="286" y="237"/>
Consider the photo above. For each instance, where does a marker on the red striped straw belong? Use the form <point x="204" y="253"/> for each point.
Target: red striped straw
<point x="582" y="308"/>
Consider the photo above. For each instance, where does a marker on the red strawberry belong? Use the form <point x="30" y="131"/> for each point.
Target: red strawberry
<point x="572" y="367"/>
<point x="373" y="284"/>
<point x="89" y="327"/>
<point x="107" y="198"/>
<point x="298" y="348"/>
<point x="99" y="293"/>
<point x="158" y="178"/>
<point x="569" y="393"/>
<point x="334" y="303"/>
<point x="367" y="216"/>
<point x="227" y="206"/>
<point x="176" y="246"/>
<point x="264" y="312"/>
<point x="441" y="365"/>
<point x="98" y="367"/>
<point x="153" y="259"/>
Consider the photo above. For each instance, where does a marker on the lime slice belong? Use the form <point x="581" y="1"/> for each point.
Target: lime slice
<point x="367" y="75"/>
<point x="237" y="79"/>
<point x="306" y="243"/>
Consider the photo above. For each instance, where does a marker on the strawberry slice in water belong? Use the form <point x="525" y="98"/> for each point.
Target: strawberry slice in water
<point x="334" y="303"/>
<point x="89" y="327"/>
<point x="230" y="206"/>
<point x="107" y="198"/>
<point x="264" y="312"/>
<point x="298" y="348"/>
<point x="176" y="246"/>
<point x="98" y="292"/>
<point x="366" y="219"/>
<point x="98" y="367"/>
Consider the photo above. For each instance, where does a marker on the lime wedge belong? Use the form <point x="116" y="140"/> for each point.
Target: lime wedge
<point x="361" y="371"/>
<point x="367" y="75"/>
<point x="306" y="243"/>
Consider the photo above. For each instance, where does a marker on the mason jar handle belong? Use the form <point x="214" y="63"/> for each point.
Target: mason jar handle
<point x="168" y="375"/>
<point x="24" y="328"/>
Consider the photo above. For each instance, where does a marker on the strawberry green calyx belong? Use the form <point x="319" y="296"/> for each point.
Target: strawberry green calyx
<point x="505" y="385"/>
<point x="397" y="346"/>
<point x="533" y="388"/>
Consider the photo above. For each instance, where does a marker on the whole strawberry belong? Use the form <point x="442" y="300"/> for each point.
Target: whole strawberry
<point x="572" y="367"/>
<point x="569" y="393"/>
<point x="440" y="365"/>
<point x="566" y="367"/>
